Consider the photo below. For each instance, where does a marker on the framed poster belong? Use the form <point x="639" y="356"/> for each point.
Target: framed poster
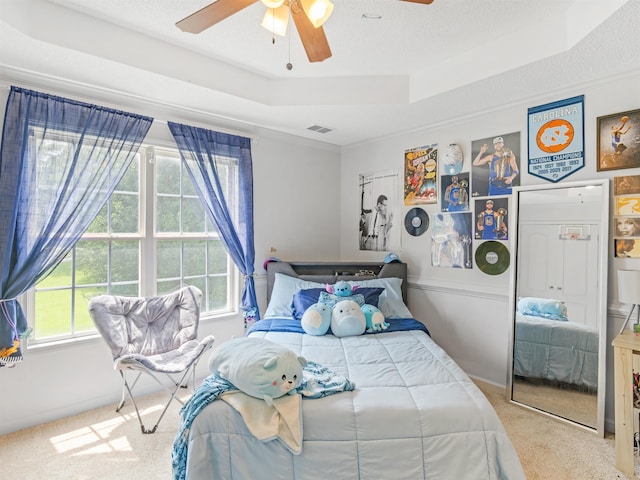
<point x="556" y="139"/>
<point x="619" y="141"/>
<point x="627" y="205"/>
<point x="626" y="185"/>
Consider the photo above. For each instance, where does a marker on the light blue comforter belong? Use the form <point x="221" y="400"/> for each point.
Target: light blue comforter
<point x="556" y="351"/>
<point x="413" y="415"/>
<point x="317" y="381"/>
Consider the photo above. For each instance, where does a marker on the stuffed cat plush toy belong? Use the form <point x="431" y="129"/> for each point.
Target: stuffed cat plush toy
<point x="258" y="367"/>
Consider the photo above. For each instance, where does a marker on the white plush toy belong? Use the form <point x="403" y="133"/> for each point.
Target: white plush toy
<point x="347" y="319"/>
<point x="258" y="367"/>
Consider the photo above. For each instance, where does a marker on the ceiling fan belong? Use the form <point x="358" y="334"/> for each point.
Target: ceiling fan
<point x="308" y="16"/>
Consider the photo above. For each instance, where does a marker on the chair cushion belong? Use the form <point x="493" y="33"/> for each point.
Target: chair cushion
<point x="173" y="361"/>
<point x="147" y="326"/>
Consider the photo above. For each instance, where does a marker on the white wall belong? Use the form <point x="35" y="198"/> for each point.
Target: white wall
<point x="297" y="205"/>
<point x="467" y="310"/>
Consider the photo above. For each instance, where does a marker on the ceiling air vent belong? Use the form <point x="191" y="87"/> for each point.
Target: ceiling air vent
<point x="319" y="129"/>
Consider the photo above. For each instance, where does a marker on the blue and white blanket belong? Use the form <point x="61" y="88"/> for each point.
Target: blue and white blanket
<point x="317" y="381"/>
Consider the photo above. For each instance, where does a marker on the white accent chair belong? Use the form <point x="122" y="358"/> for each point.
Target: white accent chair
<point x="156" y="335"/>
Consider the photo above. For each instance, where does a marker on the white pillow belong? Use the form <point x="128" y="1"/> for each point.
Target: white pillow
<point x="284" y="288"/>
<point x="390" y="302"/>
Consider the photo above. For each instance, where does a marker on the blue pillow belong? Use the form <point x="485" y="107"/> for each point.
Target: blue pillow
<point x="304" y="298"/>
<point x="543" y="307"/>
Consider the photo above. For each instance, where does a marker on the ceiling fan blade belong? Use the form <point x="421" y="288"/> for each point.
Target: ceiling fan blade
<point x="314" y="40"/>
<point x="212" y="14"/>
<point x="424" y="2"/>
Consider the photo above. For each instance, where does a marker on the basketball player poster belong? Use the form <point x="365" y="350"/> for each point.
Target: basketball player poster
<point x="495" y="165"/>
<point x="421" y="175"/>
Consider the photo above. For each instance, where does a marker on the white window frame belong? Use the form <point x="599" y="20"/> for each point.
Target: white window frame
<point x="148" y="239"/>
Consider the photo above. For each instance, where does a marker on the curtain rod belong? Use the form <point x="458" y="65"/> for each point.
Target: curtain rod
<point x="85" y="95"/>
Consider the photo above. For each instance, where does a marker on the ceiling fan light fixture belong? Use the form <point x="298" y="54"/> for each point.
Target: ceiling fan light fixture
<point x="276" y="20"/>
<point x="272" y="3"/>
<point x="318" y="11"/>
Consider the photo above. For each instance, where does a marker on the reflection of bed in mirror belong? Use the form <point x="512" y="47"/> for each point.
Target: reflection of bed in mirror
<point x="552" y="349"/>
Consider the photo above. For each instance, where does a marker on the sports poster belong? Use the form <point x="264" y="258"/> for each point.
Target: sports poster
<point x="495" y="165"/>
<point x="451" y="240"/>
<point x="492" y="218"/>
<point x="556" y="139"/>
<point x="380" y="221"/>
<point x="455" y="192"/>
<point x="421" y="175"/>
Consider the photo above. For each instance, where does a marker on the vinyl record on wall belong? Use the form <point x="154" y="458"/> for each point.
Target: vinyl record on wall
<point x="416" y="221"/>
<point x="492" y="257"/>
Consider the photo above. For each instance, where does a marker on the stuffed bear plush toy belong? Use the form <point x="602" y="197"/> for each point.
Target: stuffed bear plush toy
<point x="258" y="367"/>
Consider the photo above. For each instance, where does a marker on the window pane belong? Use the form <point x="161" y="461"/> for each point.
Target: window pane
<point x="124" y="213"/>
<point x="195" y="254"/>
<point x="187" y="184"/>
<point x="168" y="215"/>
<point x="167" y="175"/>
<point x="92" y="262"/>
<point x="82" y="322"/>
<point x="130" y="181"/>
<point x="165" y="287"/>
<point x="125" y="261"/>
<point x="60" y="276"/>
<point x="126" y="290"/>
<point x="52" y="313"/>
<point x="217" y="257"/>
<point x="169" y="253"/>
<point x="217" y="295"/>
<point x="192" y="216"/>
<point x="99" y="223"/>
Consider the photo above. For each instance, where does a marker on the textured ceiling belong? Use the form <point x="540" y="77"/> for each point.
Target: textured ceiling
<point x="415" y="65"/>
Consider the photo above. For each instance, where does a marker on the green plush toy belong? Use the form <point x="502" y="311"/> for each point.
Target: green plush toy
<point x="258" y="367"/>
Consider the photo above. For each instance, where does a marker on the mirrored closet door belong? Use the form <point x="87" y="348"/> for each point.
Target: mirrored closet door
<point x="558" y="301"/>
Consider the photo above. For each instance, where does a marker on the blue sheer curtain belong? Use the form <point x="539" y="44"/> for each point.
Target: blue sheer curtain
<point x="203" y="152"/>
<point x="60" y="161"/>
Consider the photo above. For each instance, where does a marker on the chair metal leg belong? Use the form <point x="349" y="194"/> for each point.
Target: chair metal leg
<point x="125" y="388"/>
<point x="172" y="394"/>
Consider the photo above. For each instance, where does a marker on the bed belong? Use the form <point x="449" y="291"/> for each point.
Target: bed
<point x="412" y="413"/>
<point x="552" y="349"/>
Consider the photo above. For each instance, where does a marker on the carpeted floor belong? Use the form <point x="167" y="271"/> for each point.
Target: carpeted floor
<point x="104" y="445"/>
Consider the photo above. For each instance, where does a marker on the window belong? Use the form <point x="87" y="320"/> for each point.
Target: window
<point x="150" y="238"/>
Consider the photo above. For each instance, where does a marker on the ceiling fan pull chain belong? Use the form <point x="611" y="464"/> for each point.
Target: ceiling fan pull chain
<point x="289" y="65"/>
